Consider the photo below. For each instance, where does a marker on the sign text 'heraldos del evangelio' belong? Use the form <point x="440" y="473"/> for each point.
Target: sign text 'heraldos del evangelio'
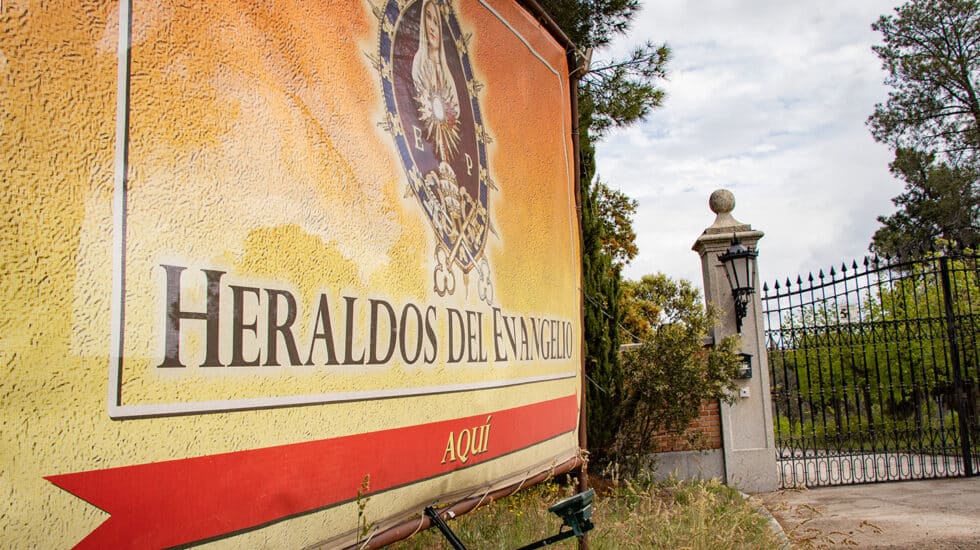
<point x="275" y="270"/>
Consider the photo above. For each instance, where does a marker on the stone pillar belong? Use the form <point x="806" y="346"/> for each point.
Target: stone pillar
<point x="746" y="426"/>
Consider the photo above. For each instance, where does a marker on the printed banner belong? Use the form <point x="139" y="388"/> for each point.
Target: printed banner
<point x="248" y="246"/>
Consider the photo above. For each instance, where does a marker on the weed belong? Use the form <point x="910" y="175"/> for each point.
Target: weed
<point x="363" y="527"/>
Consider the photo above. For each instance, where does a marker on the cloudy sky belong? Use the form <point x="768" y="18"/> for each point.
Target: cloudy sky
<point x="767" y="98"/>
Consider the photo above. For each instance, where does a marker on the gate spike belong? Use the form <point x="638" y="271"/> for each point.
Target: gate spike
<point x="777" y="285"/>
<point x="765" y="287"/>
<point x="821" y="275"/>
<point x="832" y="272"/>
<point x="788" y="284"/>
<point x="799" y="280"/>
<point x="875" y="260"/>
<point x="866" y="261"/>
<point x="854" y="264"/>
<point x="843" y="268"/>
<point x="810" y="277"/>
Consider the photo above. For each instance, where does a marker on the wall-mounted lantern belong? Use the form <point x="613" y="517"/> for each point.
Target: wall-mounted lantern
<point x="739" y="263"/>
<point x="744" y="366"/>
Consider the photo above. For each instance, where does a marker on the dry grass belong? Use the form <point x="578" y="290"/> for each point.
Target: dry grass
<point x="798" y="522"/>
<point x="672" y="514"/>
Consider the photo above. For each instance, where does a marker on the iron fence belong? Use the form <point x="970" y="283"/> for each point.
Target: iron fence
<point x="874" y="370"/>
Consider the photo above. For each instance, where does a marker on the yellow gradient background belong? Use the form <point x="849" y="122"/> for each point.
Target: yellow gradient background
<point x="255" y="149"/>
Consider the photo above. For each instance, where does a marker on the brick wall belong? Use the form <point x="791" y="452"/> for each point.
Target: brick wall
<point x="707" y="427"/>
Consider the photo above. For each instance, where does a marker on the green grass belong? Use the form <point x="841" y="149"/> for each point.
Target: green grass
<point x="675" y="514"/>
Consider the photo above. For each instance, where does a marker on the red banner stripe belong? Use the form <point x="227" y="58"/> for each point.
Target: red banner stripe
<point x="164" y="504"/>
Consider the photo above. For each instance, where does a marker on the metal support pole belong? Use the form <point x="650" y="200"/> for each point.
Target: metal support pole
<point x="446" y="531"/>
<point x="548" y="541"/>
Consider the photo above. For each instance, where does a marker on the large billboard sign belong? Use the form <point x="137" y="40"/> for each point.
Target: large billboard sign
<point x="280" y="274"/>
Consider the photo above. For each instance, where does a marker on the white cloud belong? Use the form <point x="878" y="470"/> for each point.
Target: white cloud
<point x="767" y="99"/>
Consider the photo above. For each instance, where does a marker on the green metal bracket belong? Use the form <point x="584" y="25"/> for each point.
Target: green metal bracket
<point x="575" y="512"/>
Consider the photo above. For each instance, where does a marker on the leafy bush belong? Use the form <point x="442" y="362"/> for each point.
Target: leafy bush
<point x="671" y="372"/>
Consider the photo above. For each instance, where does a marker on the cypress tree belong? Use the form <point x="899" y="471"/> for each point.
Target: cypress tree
<point x="612" y="93"/>
<point x="601" y="289"/>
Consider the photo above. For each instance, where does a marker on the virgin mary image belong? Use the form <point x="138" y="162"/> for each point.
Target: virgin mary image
<point x="435" y="88"/>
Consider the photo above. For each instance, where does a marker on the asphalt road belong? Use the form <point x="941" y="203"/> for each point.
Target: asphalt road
<point x="941" y="514"/>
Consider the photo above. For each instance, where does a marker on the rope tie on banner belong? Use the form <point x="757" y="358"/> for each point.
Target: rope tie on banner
<point x="367" y="541"/>
<point x="596" y="384"/>
<point x="521" y="484"/>
<point x="583" y="455"/>
<point x="419" y="527"/>
<point x="485" y="493"/>
<point x="602" y="309"/>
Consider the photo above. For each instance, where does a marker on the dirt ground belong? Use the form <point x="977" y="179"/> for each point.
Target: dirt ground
<point x="941" y="514"/>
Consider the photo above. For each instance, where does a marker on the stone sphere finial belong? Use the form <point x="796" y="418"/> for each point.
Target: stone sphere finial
<point x="722" y="201"/>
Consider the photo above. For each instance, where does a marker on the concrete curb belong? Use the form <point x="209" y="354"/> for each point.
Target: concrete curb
<point x="777" y="529"/>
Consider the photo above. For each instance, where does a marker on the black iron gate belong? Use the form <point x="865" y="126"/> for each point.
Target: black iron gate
<point x="874" y="371"/>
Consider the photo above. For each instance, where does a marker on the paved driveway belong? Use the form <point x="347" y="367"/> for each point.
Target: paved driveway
<point x="941" y="514"/>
